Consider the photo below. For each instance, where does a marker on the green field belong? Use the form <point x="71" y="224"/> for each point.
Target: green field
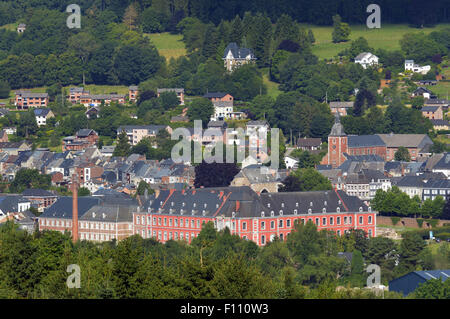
<point x="168" y="45"/>
<point x="387" y="37"/>
<point x="272" y="87"/>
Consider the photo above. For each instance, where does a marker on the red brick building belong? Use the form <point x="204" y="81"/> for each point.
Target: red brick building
<point x="76" y="94"/>
<point x="40" y="197"/>
<point x="180" y="215"/>
<point x="133" y="92"/>
<point x="84" y="138"/>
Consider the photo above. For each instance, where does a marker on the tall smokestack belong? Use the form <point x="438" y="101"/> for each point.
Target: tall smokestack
<point x="74" y="208"/>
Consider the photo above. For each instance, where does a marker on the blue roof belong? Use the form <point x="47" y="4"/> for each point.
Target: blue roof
<point x="434" y="274"/>
<point x="41" y="112"/>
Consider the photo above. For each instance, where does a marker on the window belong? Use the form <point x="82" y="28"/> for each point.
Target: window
<point x="154" y="221"/>
<point x="288" y="223"/>
<point x="338" y="220"/>
<point x="192" y="223"/>
<point x="165" y="221"/>
<point x="280" y="224"/>
<point x="176" y="222"/>
<point x="272" y="224"/>
<point x="159" y="221"/>
<point x="360" y="220"/>
<point x="186" y="222"/>
<point x="187" y="236"/>
<point x="244" y="226"/>
<point x="317" y="222"/>
<point x="281" y="236"/>
<point x="370" y="232"/>
<point x="331" y="221"/>
<point x="263" y="240"/>
<point x="369" y="220"/>
<point x="170" y="221"/>
<point x="339" y="233"/>
<point x="165" y="235"/>
<point x="345" y="220"/>
<point x="263" y="225"/>
<point x="350" y="219"/>
<point x="198" y="223"/>
<point x="324" y="221"/>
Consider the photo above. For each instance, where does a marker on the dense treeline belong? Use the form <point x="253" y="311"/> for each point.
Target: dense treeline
<point x="317" y="12"/>
<point x="215" y="265"/>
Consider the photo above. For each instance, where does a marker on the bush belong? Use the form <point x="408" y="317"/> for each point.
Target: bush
<point x="395" y="220"/>
<point x="419" y="222"/>
<point x="443" y="236"/>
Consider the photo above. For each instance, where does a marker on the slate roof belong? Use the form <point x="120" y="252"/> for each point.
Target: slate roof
<point x="443" y="163"/>
<point x="430" y="108"/>
<point x="27" y="94"/>
<point x="337" y="104"/>
<point x="439" y="122"/>
<point x="438" y="183"/>
<point x="85" y="132"/>
<point x="434" y="274"/>
<point x="38" y="193"/>
<point x="62" y="208"/>
<point x="309" y="142"/>
<point x="41" y="112"/>
<point x="237" y="52"/>
<point x="133" y="87"/>
<point x="364" y="141"/>
<point x="411" y="181"/>
<point x="405" y="140"/>
<point x="9" y="203"/>
<point x="110" y="213"/>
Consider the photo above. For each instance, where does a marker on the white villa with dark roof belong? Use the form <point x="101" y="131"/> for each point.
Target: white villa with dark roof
<point x="366" y="59"/>
<point x="234" y="56"/>
<point x="410" y="66"/>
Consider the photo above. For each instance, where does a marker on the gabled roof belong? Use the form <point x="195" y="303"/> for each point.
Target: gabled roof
<point x="84" y="132"/>
<point x="211" y="95"/>
<point x="405" y="140"/>
<point x="41" y="112"/>
<point x="110" y="213"/>
<point x="37" y="193"/>
<point x="62" y="208"/>
<point x="237" y="52"/>
<point x="444" y="162"/>
<point x="430" y="108"/>
<point x="309" y="142"/>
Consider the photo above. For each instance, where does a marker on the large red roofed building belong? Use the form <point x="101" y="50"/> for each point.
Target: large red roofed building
<point x="180" y="215"/>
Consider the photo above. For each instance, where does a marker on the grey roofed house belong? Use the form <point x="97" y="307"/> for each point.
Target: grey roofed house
<point x="309" y="142"/>
<point x="237" y="52"/>
<point x="222" y="103"/>
<point x="254" y="175"/>
<point x="421" y="90"/>
<point x="365" y="140"/>
<point x="364" y="158"/>
<point x="62" y="208"/>
<point x="373" y="175"/>
<point x="409" y="282"/>
<point x="437" y="183"/>
<point x="110" y="213"/>
<point x="411" y="181"/>
<point x="442" y="102"/>
<point x="10" y="203"/>
<point x="41" y="112"/>
<point x="133" y="88"/>
<point x="341" y="104"/>
<point x="405" y="140"/>
<point x="104" y="96"/>
<point x="26" y="221"/>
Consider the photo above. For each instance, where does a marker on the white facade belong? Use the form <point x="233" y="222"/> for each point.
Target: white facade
<point x="290" y="162"/>
<point x="366" y="59"/>
<point x="410" y="66"/>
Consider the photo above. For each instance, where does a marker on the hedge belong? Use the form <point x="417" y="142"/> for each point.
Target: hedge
<point x="419" y="222"/>
<point x="433" y="222"/>
<point x="395" y="220"/>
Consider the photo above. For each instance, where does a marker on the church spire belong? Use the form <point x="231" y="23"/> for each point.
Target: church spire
<point x="338" y="128"/>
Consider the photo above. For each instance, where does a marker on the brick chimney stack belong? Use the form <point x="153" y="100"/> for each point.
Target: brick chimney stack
<point x="74" y="208"/>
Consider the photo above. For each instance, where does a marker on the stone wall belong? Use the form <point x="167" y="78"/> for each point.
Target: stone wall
<point x="408" y="222"/>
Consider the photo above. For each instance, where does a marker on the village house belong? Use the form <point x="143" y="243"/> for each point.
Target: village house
<point x="411" y="66"/>
<point x="178" y="91"/>
<point x="133" y="92"/>
<point x="223" y="105"/>
<point x="234" y="56"/>
<point x="366" y="59"/>
<point x="259" y="178"/>
<point x="136" y="133"/>
<point x="341" y="107"/>
<point x="42" y="115"/>
<point x="432" y="112"/>
<point x="21" y="28"/>
<point x="421" y="91"/>
<point x="440" y="125"/>
<point x="26" y="99"/>
<point x="13" y="148"/>
<point x="83" y="139"/>
<point x="309" y="143"/>
<point x="436" y="187"/>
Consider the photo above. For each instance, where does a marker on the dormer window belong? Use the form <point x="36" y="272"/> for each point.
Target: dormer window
<point x="296" y="204"/>
<point x="262" y="214"/>
<point x="324" y="210"/>
<point x="282" y="204"/>
<point x="272" y="213"/>
<point x="309" y="211"/>
<point x="295" y="212"/>
<point x="338" y="209"/>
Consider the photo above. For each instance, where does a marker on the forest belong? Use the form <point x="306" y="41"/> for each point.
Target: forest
<point x="215" y="265"/>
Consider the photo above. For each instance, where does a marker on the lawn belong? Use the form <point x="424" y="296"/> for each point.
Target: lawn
<point x="10" y="27"/>
<point x="272" y="87"/>
<point x="168" y="45"/>
<point x="387" y="37"/>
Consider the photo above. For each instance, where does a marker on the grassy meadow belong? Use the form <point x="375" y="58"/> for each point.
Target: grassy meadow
<point x="387" y="37"/>
<point x="168" y="45"/>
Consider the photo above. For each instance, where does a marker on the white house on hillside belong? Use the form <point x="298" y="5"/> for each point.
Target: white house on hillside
<point x="410" y="66"/>
<point x="366" y="59"/>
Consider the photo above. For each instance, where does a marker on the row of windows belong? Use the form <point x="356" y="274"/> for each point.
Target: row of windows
<point x="59" y="223"/>
<point x="103" y="237"/>
<point x="169" y="235"/>
<point x="104" y="226"/>
<point x="170" y="222"/>
<point x="435" y="191"/>
<point x="263" y="237"/>
<point x="330" y="220"/>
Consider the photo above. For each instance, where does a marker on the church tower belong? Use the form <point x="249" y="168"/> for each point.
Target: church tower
<point x="337" y="144"/>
